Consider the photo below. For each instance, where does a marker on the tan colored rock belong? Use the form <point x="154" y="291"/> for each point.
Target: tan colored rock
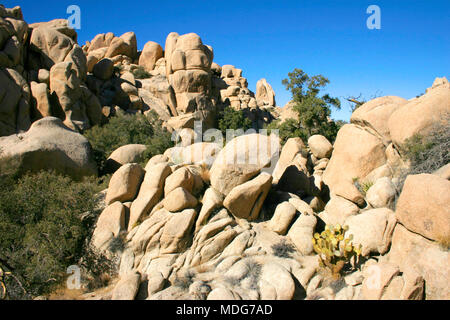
<point x="179" y="199"/>
<point x="211" y="201"/>
<point x="216" y="246"/>
<point x="373" y="230"/>
<point x="418" y="115"/>
<point x="125" y="183"/>
<point x="143" y="234"/>
<point x="174" y="236"/>
<point x="320" y="147"/>
<point x="77" y="105"/>
<point x="296" y="179"/>
<point x="301" y="206"/>
<point x="142" y="206"/>
<point x="282" y="218"/>
<point x="290" y="150"/>
<point x="110" y="223"/>
<point x="127" y="288"/>
<point x="242" y="159"/>
<point x="41" y="99"/>
<point x="245" y="201"/>
<point x="277" y="277"/>
<point x="381" y="194"/>
<point x="131" y="153"/>
<point x="265" y="96"/>
<point x="443" y="172"/>
<point x="171" y="42"/>
<point x="426" y="258"/>
<point x="49" y="145"/>
<point x="197" y="153"/>
<point x="44" y="76"/>
<point x="160" y="158"/>
<point x="338" y="210"/>
<point x="356" y="154"/>
<point x="377" y="278"/>
<point x="151" y="53"/>
<point x="424" y="206"/>
<point x="124" y="45"/>
<point x="375" y="115"/>
<point x="53" y="46"/>
<point x="302" y="232"/>
<point x="182" y="177"/>
<point x="160" y="88"/>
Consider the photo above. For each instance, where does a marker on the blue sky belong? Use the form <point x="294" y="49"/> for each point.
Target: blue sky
<point x="268" y="39"/>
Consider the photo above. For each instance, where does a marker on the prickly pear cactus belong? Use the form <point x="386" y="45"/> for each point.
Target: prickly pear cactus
<point x="2" y="284"/>
<point x="334" y="249"/>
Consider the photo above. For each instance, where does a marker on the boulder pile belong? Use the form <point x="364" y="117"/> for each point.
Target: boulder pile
<point x="238" y="222"/>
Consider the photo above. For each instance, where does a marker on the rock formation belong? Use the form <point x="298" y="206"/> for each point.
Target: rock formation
<point x="235" y="223"/>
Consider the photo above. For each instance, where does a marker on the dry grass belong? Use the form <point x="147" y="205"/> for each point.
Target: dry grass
<point x="444" y="242"/>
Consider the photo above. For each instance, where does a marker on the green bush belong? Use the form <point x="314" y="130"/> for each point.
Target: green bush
<point x="42" y="231"/>
<point x="140" y="73"/>
<point x="288" y="129"/>
<point x="128" y="129"/>
<point x="233" y="120"/>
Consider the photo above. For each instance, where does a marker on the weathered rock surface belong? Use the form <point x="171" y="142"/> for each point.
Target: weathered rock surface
<point x="49" y="145"/>
<point x="242" y="159"/>
<point x="373" y="230"/>
<point x="359" y="152"/>
<point x="424" y="206"/>
<point x="125" y="183"/>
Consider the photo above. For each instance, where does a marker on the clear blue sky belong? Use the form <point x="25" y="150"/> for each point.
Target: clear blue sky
<point x="268" y="39"/>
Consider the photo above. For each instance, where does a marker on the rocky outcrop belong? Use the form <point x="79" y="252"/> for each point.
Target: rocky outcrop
<point x="49" y="145"/>
<point x="265" y="96"/>
<point x="418" y="115"/>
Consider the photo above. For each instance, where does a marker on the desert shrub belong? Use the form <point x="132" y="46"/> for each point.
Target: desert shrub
<point x="426" y="153"/>
<point x="97" y="269"/>
<point x="117" y="244"/>
<point x="140" y="73"/>
<point x="334" y="249"/>
<point x="233" y="119"/>
<point x="185" y="280"/>
<point x="128" y="129"/>
<point x="253" y="272"/>
<point x="283" y="250"/>
<point x="41" y="229"/>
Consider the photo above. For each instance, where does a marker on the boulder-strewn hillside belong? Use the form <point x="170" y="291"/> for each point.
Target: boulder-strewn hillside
<point x="45" y="73"/>
<point x="205" y="228"/>
<point x="367" y="217"/>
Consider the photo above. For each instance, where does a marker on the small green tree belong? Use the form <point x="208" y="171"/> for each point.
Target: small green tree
<point x="313" y="109"/>
<point x="233" y="119"/>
